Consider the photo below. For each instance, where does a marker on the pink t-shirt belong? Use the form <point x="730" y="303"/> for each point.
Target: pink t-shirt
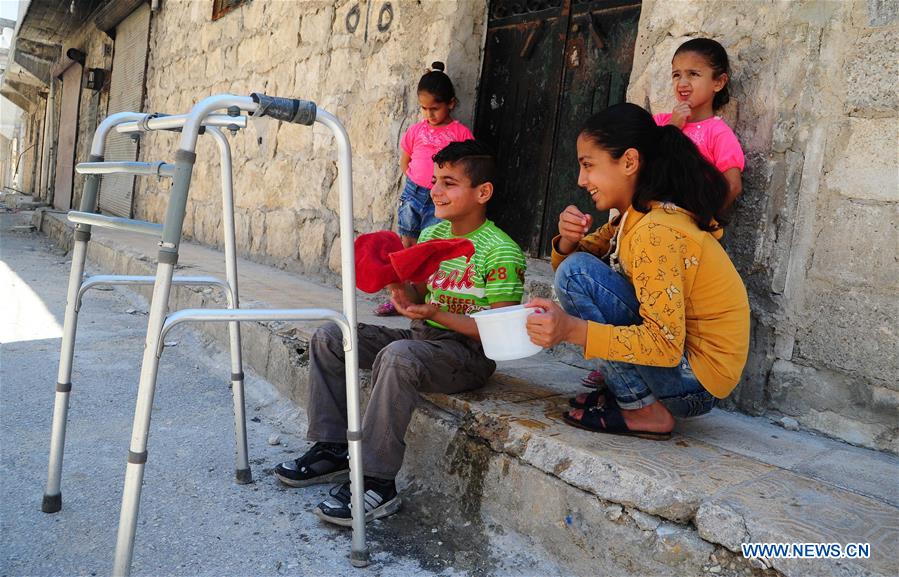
<point x="714" y="139"/>
<point x="422" y="141"/>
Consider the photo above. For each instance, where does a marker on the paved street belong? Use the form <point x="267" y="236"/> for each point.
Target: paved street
<point x="194" y="519"/>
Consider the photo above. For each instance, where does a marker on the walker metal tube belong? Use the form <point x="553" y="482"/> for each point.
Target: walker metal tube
<point x="242" y="474"/>
<point x="137" y="453"/>
<point x="359" y="551"/>
<point x="185" y="159"/>
<point x="116" y="222"/>
<point x="244" y="315"/>
<point x="99" y="143"/>
<point x="176" y="121"/>
<point x="202" y="109"/>
<point x="108" y="280"/>
<point x="52" y="501"/>
<point x="126" y="167"/>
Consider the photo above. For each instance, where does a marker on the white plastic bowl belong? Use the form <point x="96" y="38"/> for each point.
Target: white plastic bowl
<point x="504" y="334"/>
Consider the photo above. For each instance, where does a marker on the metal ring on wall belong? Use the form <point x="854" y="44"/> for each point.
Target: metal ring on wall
<point x="353" y="15"/>
<point x="384" y="26"/>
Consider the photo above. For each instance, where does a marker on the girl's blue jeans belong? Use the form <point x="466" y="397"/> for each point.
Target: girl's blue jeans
<point x="589" y="289"/>
<point x="416" y="210"/>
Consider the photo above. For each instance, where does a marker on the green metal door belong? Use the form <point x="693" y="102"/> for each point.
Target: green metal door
<point x="548" y="65"/>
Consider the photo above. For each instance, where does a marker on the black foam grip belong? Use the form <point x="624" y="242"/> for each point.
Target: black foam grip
<point x="286" y="109"/>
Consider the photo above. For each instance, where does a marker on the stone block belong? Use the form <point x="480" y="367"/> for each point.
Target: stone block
<point x="872" y="71"/>
<point x="573" y="526"/>
<point x="257" y="231"/>
<point x="248" y="189"/>
<point x="242" y="229"/>
<point x="718" y="524"/>
<point x="285" y="35"/>
<point x="795" y="388"/>
<point x="881" y="12"/>
<point x="311" y="180"/>
<point x="368" y="181"/>
<point x="665" y="480"/>
<point x="281" y="235"/>
<point x="307" y="77"/>
<point x="851" y="330"/>
<point x="312" y="241"/>
<point x="209" y="37"/>
<point x="680" y="546"/>
<point x="838" y="404"/>
<point x="755" y="438"/>
<point x="315" y="29"/>
<point x="868" y="166"/>
<point x="215" y="63"/>
<point x="864" y="472"/>
<point x="786" y="508"/>
<point x="276" y="188"/>
<point x="858" y="245"/>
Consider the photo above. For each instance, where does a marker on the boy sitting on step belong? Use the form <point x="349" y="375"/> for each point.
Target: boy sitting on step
<point x="440" y="352"/>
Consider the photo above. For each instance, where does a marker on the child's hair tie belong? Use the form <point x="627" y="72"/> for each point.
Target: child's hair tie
<point x="437" y="67"/>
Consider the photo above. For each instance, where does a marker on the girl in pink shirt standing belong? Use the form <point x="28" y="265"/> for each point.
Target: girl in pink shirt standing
<point x="422" y="141"/>
<point x="699" y="77"/>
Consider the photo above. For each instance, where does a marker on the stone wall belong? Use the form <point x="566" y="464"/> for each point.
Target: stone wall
<point x="285" y="187"/>
<point x="814" y="103"/>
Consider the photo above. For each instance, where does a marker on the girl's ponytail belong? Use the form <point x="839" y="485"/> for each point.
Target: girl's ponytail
<point x="677" y="172"/>
<point x="671" y="167"/>
<point x="436" y="83"/>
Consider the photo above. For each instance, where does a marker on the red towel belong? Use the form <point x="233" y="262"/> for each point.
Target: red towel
<point x="382" y="260"/>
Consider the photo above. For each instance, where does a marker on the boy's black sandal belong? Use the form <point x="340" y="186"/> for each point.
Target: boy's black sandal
<point x="608" y="419"/>
<point x="323" y="463"/>
<point x="380" y="500"/>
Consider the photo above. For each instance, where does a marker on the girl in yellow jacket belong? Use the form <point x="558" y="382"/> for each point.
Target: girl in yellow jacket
<point x="651" y="295"/>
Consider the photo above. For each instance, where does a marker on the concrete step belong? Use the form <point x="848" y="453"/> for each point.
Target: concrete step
<point x="16" y="201"/>
<point x="597" y="504"/>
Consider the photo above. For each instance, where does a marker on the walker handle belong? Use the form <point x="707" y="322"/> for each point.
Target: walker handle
<point x="286" y="109"/>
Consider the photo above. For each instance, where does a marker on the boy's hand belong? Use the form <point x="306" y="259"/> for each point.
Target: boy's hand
<point x="412" y="310"/>
<point x="573" y="225"/>
<point x="680" y="114"/>
<point x="554" y="325"/>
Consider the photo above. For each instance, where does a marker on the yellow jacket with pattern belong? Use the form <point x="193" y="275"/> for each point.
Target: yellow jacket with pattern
<point x="691" y="297"/>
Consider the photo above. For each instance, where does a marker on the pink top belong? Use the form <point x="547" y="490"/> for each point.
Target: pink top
<point x="714" y="139"/>
<point x="422" y="141"/>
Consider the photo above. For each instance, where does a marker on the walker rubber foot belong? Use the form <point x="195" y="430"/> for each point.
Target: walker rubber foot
<point x="243" y="476"/>
<point x="359" y="559"/>
<point x="52" y="503"/>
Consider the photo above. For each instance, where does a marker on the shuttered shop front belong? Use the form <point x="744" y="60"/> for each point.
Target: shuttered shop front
<point x="126" y="94"/>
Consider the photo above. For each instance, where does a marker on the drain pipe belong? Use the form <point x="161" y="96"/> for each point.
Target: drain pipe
<point x="44" y="188"/>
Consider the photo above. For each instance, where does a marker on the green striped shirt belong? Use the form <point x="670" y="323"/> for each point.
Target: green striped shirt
<point x="494" y="274"/>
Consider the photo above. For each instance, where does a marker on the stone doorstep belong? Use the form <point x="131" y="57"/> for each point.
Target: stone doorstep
<point x="724" y="478"/>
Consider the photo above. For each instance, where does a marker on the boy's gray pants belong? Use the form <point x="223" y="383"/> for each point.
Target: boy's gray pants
<point x="404" y="362"/>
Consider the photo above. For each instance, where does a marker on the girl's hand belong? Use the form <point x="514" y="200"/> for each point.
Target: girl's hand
<point x="573" y="225"/>
<point x="680" y="115"/>
<point x="554" y="325"/>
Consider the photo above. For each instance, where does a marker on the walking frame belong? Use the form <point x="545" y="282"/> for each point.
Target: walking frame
<point x="204" y="117"/>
